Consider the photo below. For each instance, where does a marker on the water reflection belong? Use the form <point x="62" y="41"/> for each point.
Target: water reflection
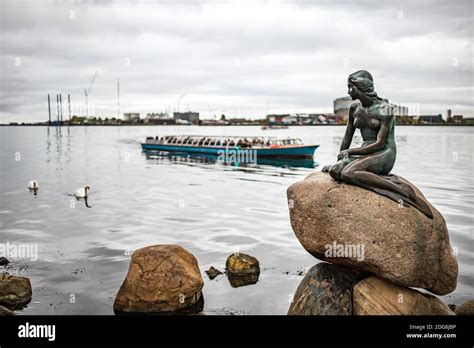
<point x="86" y="201"/>
<point x="213" y="160"/>
<point x="243" y="280"/>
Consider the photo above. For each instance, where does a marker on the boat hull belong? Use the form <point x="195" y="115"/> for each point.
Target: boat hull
<point x="278" y="152"/>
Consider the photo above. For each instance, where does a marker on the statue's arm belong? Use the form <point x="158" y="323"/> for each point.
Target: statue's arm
<point x="350" y="129"/>
<point x="382" y="136"/>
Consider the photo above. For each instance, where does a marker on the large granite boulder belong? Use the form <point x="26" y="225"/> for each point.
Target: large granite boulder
<point x="162" y="279"/>
<point x="325" y="290"/>
<point x="376" y="296"/>
<point x="15" y="292"/>
<point x="349" y="225"/>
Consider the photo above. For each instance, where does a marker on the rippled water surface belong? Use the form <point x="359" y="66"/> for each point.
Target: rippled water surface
<point x="210" y="209"/>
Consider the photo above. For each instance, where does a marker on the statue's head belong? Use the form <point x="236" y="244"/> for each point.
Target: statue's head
<point x="361" y="85"/>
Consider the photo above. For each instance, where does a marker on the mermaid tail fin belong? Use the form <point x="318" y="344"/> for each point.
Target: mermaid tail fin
<point x="411" y="198"/>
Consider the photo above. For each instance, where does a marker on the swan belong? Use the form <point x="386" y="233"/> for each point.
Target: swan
<point x="33" y="185"/>
<point x="83" y="192"/>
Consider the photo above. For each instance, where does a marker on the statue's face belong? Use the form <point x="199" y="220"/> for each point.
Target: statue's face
<point x="353" y="91"/>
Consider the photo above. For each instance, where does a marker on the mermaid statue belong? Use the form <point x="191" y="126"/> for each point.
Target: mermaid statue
<point x="369" y="165"/>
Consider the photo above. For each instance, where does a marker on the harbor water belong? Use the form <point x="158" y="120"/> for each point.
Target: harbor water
<point x="211" y="209"/>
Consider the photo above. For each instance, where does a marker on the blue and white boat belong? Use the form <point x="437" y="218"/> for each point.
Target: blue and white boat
<point x="262" y="147"/>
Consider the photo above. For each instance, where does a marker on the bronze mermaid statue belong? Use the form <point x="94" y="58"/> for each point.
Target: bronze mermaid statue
<point x="369" y="165"/>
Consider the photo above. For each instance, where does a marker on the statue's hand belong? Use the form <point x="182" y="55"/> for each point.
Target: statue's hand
<point x="344" y="154"/>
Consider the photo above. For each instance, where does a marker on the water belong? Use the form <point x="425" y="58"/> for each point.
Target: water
<point x="212" y="210"/>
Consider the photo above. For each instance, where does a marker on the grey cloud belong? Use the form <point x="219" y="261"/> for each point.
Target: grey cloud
<point x="234" y="55"/>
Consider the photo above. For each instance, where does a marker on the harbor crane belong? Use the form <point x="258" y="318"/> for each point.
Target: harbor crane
<point x="87" y="91"/>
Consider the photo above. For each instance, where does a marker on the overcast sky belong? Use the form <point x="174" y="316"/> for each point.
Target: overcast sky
<point x="238" y="58"/>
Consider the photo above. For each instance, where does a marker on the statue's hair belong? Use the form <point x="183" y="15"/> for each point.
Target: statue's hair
<point x="364" y="82"/>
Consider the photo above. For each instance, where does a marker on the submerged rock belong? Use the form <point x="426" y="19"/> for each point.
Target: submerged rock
<point x="213" y="272"/>
<point x="4" y="261"/>
<point x="325" y="290"/>
<point x="349" y="225"/>
<point x="15" y="292"/>
<point x="466" y="308"/>
<point x="161" y="279"/>
<point x="242" y="269"/>
<point x="376" y="296"/>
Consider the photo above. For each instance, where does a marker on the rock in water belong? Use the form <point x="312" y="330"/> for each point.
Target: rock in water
<point x="466" y="308"/>
<point x="242" y="269"/>
<point x="398" y="243"/>
<point x="4" y="261"/>
<point x="15" y="292"/>
<point x="325" y="290"/>
<point x="213" y="272"/>
<point x="161" y="279"/>
<point x="376" y="296"/>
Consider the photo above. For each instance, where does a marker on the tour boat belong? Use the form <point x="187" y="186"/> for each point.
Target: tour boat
<point x="262" y="147"/>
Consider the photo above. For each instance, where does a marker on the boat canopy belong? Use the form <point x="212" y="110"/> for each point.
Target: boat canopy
<point x="222" y="141"/>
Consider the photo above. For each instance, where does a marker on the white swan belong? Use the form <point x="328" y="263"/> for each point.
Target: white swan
<point x="83" y="192"/>
<point x="33" y="185"/>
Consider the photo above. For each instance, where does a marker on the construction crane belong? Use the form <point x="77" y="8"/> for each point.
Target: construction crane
<point x="86" y="92"/>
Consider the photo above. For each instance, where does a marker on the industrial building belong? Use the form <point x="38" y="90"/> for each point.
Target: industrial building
<point x="131" y="117"/>
<point x="342" y="105"/>
<point x="190" y="117"/>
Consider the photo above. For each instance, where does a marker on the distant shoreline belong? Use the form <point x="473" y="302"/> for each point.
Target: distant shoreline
<point x="229" y="125"/>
